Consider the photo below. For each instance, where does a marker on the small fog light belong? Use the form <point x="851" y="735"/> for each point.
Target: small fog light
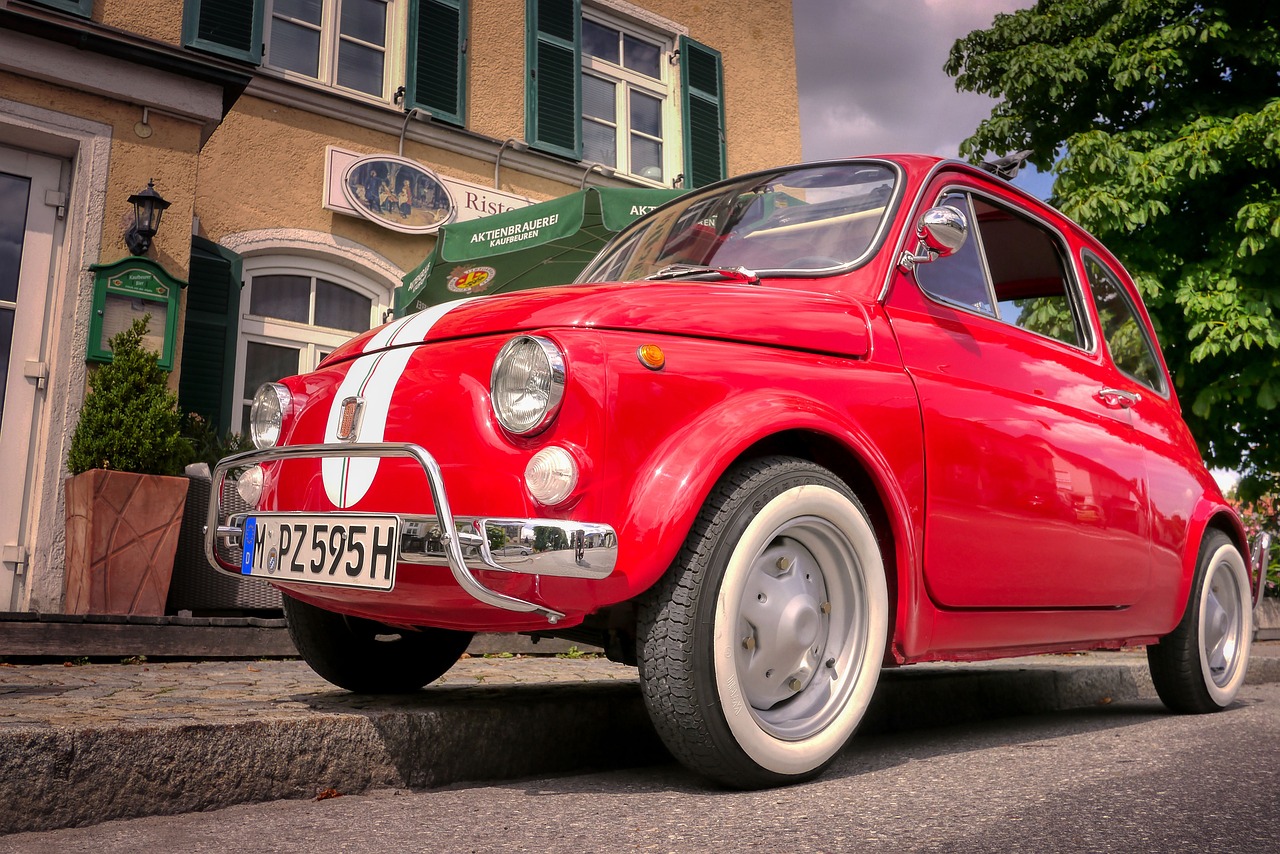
<point x="551" y="476"/>
<point x="249" y="486"/>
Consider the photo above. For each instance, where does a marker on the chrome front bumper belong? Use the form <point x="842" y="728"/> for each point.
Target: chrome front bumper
<point x="588" y="550"/>
<point x="1259" y="560"/>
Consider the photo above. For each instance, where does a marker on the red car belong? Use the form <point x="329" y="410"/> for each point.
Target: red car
<point x="784" y="431"/>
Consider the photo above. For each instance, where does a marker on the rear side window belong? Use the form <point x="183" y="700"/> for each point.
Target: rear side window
<point x="1011" y="267"/>
<point x="1131" y="347"/>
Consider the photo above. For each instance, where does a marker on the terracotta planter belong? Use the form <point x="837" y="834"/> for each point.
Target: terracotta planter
<point x="122" y="532"/>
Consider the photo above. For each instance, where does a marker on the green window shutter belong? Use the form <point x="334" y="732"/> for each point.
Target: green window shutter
<point x="209" y="333"/>
<point x="437" y="76"/>
<point x="84" y="8"/>
<point x="702" y="105"/>
<point x="231" y="28"/>
<point x="553" y="87"/>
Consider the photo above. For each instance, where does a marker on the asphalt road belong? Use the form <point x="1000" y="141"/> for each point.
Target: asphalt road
<point x="1125" y="777"/>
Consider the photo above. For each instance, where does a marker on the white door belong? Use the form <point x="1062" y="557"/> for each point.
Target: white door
<point x="29" y="195"/>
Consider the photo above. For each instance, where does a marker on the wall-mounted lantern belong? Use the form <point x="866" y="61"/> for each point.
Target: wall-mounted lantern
<point x="148" y="206"/>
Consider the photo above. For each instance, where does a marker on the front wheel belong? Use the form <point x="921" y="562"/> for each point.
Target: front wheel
<point x="1200" y="665"/>
<point x="760" y="648"/>
<point x="367" y="657"/>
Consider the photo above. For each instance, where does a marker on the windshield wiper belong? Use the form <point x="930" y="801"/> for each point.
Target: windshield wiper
<point x="696" y="271"/>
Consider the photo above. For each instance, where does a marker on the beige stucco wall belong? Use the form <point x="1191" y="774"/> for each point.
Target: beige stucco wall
<point x="161" y="21"/>
<point x="756" y="40"/>
<point x="169" y="157"/>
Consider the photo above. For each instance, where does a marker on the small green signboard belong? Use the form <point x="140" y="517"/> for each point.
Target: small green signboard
<point x="128" y="289"/>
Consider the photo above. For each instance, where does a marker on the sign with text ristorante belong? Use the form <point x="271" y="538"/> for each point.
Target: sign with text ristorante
<point x="354" y="181"/>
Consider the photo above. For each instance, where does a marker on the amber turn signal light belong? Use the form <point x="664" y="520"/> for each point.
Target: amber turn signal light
<point x="651" y="356"/>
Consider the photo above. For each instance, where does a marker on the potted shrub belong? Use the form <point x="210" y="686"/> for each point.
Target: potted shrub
<point x="124" y="499"/>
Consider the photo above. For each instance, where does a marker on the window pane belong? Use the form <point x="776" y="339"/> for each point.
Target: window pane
<point x="1028" y="275"/>
<point x="6" y="341"/>
<point x="14" y="194"/>
<point x="646" y="114"/>
<point x="295" y="48"/>
<point x="960" y="278"/>
<point x="641" y="56"/>
<point x="341" y="308"/>
<point x="304" y="10"/>
<point x="599" y="143"/>
<point x="365" y="20"/>
<point x="283" y="297"/>
<point x="646" y="158"/>
<point x="360" y="68"/>
<point x="266" y="363"/>
<point x="1131" y="349"/>
<point x="599" y="41"/>
<point x="599" y="98"/>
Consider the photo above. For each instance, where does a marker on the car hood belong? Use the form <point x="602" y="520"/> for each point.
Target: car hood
<point x="754" y="314"/>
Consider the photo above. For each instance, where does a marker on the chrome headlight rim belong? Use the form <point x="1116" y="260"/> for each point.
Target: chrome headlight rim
<point x="272" y="403"/>
<point x="532" y="421"/>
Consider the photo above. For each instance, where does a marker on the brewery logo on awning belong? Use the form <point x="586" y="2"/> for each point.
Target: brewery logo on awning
<point x="471" y="280"/>
<point x="397" y="193"/>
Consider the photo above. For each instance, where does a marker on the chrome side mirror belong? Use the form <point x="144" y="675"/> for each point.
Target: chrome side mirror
<point x="940" y="232"/>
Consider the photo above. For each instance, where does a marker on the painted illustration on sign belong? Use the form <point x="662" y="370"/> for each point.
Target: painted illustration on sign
<point x="471" y="280"/>
<point x="397" y="193"/>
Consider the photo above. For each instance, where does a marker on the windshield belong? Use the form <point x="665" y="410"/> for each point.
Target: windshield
<point x="800" y="221"/>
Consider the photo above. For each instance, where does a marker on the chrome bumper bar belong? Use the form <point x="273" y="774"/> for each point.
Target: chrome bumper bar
<point x="1259" y="559"/>
<point x="585" y="550"/>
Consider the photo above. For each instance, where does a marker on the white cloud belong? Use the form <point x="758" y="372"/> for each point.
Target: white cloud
<point x="871" y="79"/>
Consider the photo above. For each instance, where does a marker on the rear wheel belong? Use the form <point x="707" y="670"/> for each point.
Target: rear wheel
<point x="367" y="657"/>
<point x="761" y="647"/>
<point x="1200" y="665"/>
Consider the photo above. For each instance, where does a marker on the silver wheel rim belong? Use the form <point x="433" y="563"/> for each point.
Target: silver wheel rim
<point x="801" y="628"/>
<point x="1222" y="623"/>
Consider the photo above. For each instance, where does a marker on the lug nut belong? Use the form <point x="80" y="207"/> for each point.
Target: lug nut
<point x="785" y="563"/>
<point x="795" y="684"/>
<point x="749" y="642"/>
<point x="826" y="608"/>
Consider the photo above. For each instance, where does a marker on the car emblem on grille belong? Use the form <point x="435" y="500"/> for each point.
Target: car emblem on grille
<point x="349" y="423"/>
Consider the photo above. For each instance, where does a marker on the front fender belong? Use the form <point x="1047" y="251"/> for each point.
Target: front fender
<point x="676" y="479"/>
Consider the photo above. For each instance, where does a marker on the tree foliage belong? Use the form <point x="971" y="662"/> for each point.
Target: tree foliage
<point x="1161" y="122"/>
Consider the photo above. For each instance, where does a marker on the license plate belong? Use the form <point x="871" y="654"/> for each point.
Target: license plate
<point x="347" y="551"/>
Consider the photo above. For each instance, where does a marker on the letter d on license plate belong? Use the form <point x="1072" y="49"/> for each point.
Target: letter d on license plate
<point x="348" y="551"/>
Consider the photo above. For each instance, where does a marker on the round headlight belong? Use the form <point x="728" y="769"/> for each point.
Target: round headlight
<point x="266" y="417"/>
<point x="527" y="384"/>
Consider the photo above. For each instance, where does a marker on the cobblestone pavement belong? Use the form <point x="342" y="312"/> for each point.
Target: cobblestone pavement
<point x="226" y="692"/>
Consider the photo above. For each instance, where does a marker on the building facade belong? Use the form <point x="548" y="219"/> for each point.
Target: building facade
<point x="309" y="150"/>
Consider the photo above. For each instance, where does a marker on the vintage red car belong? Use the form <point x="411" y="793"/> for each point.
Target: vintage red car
<point x="784" y="431"/>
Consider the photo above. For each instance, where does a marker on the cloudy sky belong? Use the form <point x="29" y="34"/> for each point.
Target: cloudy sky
<point x="871" y="78"/>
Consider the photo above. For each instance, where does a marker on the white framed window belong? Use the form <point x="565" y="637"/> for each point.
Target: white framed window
<point x="295" y="310"/>
<point x="628" y="105"/>
<point x="350" y="45"/>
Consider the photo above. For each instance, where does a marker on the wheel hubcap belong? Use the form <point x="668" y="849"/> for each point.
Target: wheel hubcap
<point x="1223" y="625"/>
<point x="801" y="623"/>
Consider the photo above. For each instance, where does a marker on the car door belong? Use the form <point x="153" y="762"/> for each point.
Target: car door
<point x="1035" y="486"/>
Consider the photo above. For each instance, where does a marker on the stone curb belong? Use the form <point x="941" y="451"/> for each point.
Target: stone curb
<point x="199" y="742"/>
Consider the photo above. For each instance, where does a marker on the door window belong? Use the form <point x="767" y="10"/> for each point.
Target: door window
<point x="1131" y="348"/>
<point x="1010" y="267"/>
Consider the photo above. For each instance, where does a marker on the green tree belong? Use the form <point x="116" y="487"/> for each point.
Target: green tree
<point x="129" y="421"/>
<point x="1161" y="122"/>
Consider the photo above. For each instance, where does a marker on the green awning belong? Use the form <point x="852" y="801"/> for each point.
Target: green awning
<point x="544" y="244"/>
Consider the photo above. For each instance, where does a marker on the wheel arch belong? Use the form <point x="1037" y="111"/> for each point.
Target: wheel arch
<point x="677" y="478"/>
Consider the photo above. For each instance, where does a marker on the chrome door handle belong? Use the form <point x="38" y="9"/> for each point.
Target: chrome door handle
<point x="1114" y="398"/>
